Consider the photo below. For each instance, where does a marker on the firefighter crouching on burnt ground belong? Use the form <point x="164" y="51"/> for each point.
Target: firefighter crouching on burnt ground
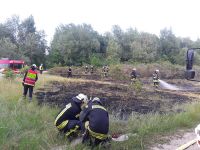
<point x="69" y="72"/>
<point x="67" y="121"/>
<point x="156" y="78"/>
<point x="96" y="122"/>
<point x="29" y="80"/>
<point x="133" y="76"/>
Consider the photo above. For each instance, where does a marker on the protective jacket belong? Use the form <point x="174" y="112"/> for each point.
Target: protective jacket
<point x="30" y="77"/>
<point x="155" y="77"/>
<point x="133" y="74"/>
<point x="69" y="72"/>
<point x="98" y="119"/>
<point x="68" y="117"/>
<point x="91" y="69"/>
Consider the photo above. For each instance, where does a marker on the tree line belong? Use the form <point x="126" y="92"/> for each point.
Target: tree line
<point x="20" y="40"/>
<point x="81" y="44"/>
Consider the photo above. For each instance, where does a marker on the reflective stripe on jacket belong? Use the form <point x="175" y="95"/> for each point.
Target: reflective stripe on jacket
<point x="99" y="136"/>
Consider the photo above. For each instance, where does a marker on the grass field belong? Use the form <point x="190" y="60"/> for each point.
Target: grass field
<point x="25" y="125"/>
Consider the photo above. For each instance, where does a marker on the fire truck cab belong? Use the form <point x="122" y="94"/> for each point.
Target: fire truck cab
<point x="14" y="65"/>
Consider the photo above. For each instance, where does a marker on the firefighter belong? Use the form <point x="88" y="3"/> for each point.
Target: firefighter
<point x="29" y="80"/>
<point x="156" y="78"/>
<point x="91" y="69"/>
<point x="67" y="121"/>
<point x="41" y="68"/>
<point x="69" y="72"/>
<point x="105" y="70"/>
<point x="133" y="75"/>
<point x="86" y="69"/>
<point x="96" y="122"/>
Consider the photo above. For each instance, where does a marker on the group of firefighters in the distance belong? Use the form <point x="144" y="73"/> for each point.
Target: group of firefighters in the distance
<point x="105" y="70"/>
<point x="81" y="116"/>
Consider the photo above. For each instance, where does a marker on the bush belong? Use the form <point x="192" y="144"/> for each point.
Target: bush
<point x="117" y="73"/>
<point x="136" y="86"/>
<point x="97" y="61"/>
<point x="9" y="74"/>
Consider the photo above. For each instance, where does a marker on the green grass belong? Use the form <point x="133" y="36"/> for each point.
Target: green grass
<point x="147" y="127"/>
<point x="25" y="125"/>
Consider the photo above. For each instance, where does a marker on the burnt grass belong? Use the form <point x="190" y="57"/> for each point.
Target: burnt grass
<point x="120" y="99"/>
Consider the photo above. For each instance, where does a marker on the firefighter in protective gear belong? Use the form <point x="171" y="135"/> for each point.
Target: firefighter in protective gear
<point x="133" y="75"/>
<point x="67" y="121"/>
<point x="96" y="122"/>
<point x="29" y="80"/>
<point x="91" y="69"/>
<point x="69" y="72"/>
<point x="86" y="69"/>
<point x="156" y="78"/>
<point x="105" y="70"/>
<point x="41" y="68"/>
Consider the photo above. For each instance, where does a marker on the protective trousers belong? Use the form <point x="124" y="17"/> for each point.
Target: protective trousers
<point x="70" y="128"/>
<point x="26" y="89"/>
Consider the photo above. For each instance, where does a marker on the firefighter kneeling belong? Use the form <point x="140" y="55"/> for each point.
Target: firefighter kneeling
<point x="96" y="120"/>
<point x="67" y="121"/>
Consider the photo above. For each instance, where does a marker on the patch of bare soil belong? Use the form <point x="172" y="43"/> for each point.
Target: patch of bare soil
<point x="119" y="96"/>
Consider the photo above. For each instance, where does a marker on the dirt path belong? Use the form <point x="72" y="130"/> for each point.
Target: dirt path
<point x="175" y="141"/>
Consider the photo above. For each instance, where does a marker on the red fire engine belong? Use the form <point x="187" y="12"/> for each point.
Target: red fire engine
<point x="15" y="65"/>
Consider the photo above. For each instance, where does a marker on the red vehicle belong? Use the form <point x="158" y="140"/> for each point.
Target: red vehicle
<point x="15" y="65"/>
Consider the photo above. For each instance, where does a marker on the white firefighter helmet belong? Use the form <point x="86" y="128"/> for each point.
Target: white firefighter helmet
<point x="156" y="70"/>
<point x="34" y="66"/>
<point x="82" y="97"/>
<point x="134" y="69"/>
<point x="96" y="99"/>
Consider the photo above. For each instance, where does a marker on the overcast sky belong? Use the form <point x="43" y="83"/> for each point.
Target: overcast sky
<point x="183" y="16"/>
